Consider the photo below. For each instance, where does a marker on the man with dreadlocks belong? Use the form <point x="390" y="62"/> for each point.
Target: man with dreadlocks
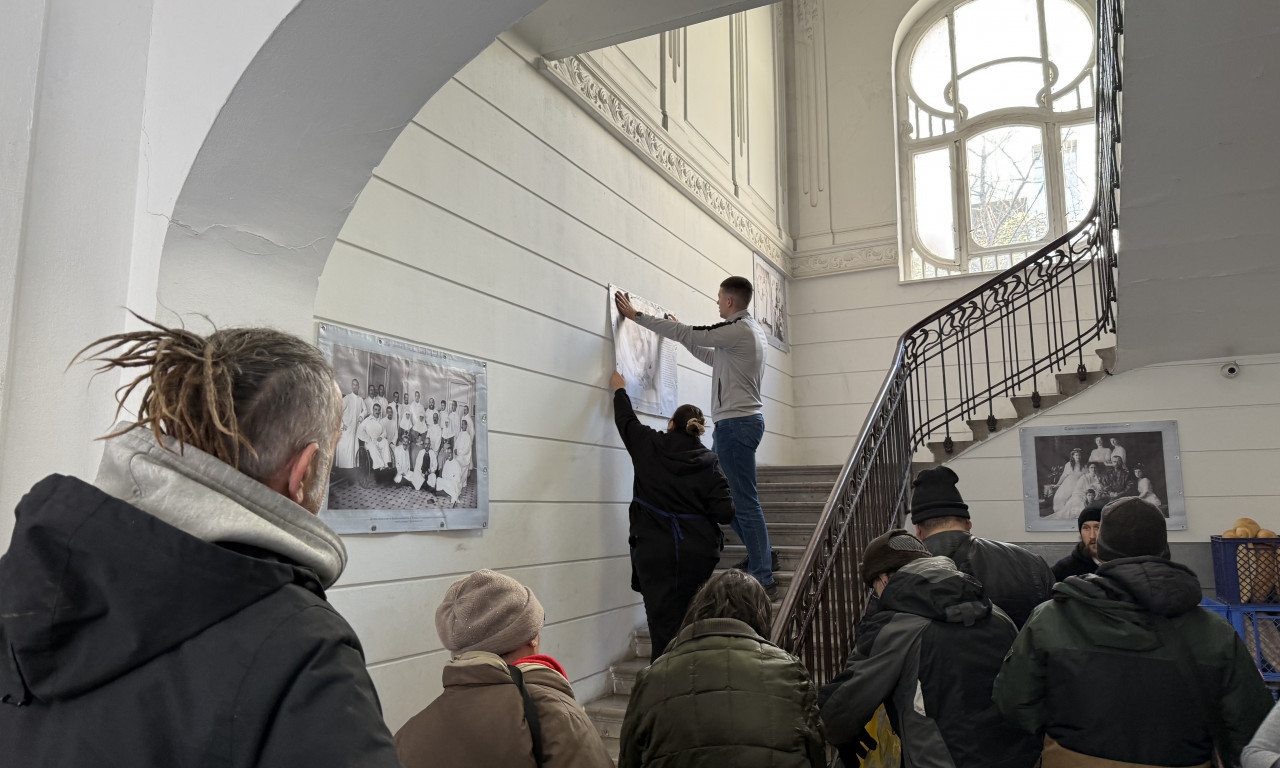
<point x="172" y="613"/>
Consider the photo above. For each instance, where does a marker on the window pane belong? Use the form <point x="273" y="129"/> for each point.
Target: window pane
<point x="1006" y="186"/>
<point x="931" y="67"/>
<point x="1079" y="170"/>
<point x="987" y="30"/>
<point x="1012" y="84"/>
<point x="935" y="209"/>
<point x="1071" y="39"/>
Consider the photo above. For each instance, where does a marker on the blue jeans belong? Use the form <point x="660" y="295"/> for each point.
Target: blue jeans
<point x="735" y="442"/>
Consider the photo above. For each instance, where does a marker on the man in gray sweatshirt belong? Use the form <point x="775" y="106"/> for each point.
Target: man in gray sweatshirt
<point x="735" y="351"/>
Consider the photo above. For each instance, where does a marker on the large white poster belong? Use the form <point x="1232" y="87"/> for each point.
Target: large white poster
<point x="414" y="449"/>
<point x="645" y="359"/>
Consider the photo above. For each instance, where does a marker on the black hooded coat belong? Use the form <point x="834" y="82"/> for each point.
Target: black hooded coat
<point x="929" y="652"/>
<point x="680" y="497"/>
<point x="128" y="642"/>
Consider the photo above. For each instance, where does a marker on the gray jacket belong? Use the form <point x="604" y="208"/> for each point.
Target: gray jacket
<point x="1264" y="750"/>
<point x="735" y="351"/>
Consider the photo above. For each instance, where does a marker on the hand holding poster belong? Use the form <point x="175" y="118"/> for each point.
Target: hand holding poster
<point x="645" y="359"/>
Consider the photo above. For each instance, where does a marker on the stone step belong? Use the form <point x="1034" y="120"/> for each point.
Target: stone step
<point x="1108" y="355"/>
<point x="1070" y="384"/>
<point x="939" y="451"/>
<point x="788" y="556"/>
<point x="607" y="713"/>
<point x="622" y="675"/>
<point x="794" y="491"/>
<point x="1023" y="405"/>
<point x="981" y="431"/>
<point x="641" y="644"/>
<point x="820" y="473"/>
<point x="780" y="534"/>
<point x="793" y="512"/>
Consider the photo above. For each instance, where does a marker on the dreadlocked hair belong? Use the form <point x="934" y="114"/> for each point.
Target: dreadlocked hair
<point x="251" y="397"/>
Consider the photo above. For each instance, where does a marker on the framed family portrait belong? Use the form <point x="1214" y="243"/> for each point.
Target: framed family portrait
<point x="413" y="454"/>
<point x="1067" y="468"/>
<point x="769" y="302"/>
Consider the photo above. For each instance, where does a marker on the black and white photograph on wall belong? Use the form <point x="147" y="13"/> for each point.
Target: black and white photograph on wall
<point x="1067" y="468"/>
<point x="645" y="359"/>
<point x="769" y="302"/>
<point x="413" y="454"/>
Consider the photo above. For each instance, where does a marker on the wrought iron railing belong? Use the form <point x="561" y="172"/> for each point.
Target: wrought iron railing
<point x="1001" y="340"/>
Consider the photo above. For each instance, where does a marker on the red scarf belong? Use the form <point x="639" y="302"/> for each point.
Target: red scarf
<point x="545" y="661"/>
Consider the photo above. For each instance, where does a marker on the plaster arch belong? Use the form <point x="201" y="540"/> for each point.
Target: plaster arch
<point x="297" y="140"/>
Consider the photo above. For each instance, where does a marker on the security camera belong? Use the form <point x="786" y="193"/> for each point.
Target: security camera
<point x="1230" y="370"/>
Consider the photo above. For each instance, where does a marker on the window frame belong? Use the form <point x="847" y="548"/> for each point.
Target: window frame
<point x="966" y="251"/>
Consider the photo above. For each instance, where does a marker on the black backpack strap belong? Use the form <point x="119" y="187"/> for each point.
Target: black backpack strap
<point x="530" y="713"/>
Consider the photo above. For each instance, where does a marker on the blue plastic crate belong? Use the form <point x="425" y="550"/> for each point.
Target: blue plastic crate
<point x="1259" y="627"/>
<point x="1246" y="571"/>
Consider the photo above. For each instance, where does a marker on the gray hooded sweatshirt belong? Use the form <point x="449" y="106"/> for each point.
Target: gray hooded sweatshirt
<point x="209" y="499"/>
<point x="735" y="351"/>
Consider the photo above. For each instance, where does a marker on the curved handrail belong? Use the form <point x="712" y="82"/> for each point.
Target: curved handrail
<point x="991" y="335"/>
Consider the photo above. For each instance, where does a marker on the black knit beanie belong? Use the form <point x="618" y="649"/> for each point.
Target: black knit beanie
<point x="889" y="552"/>
<point x="1132" y="527"/>
<point x="1090" y="514"/>
<point x="934" y="494"/>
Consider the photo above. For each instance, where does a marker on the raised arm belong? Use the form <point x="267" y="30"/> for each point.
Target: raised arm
<point x="624" y="416"/>
<point x="693" y="337"/>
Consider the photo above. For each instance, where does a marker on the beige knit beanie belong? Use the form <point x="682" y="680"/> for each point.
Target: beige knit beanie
<point x="487" y="611"/>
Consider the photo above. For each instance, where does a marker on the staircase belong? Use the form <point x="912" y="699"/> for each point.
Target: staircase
<point x="1023" y="408"/>
<point x="792" y="498"/>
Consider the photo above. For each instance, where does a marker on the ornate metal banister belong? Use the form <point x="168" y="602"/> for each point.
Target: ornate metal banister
<point x="998" y="341"/>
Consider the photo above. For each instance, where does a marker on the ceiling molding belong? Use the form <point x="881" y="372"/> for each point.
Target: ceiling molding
<point x="593" y="91"/>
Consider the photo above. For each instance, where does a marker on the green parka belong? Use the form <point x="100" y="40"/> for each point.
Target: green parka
<point x="723" y="696"/>
<point x="1124" y="665"/>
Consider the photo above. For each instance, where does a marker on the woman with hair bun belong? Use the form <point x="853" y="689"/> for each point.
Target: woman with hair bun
<point x="680" y="498"/>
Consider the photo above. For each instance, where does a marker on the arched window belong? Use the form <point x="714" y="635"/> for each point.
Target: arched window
<point x="997" y="142"/>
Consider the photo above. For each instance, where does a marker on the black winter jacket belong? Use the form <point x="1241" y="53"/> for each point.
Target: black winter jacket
<point x="676" y="473"/>
<point x="127" y="642"/>
<point x="1012" y="578"/>
<point x="1098" y="670"/>
<point x="929" y="653"/>
<point x="1078" y="563"/>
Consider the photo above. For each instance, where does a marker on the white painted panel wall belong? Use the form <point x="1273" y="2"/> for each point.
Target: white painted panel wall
<point x="1227" y="429"/>
<point x="492" y="229"/>
<point x="707" y="85"/>
<point x="762" y="112"/>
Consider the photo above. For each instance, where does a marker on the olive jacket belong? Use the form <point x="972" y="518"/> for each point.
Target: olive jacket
<point x="723" y="696"/>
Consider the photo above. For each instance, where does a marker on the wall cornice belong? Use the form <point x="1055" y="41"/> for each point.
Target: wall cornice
<point x="591" y="89"/>
<point x="845" y="259"/>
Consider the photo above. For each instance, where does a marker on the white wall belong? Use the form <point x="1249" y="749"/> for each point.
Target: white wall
<point x="492" y="229"/>
<point x="1201" y="180"/>
<point x="1226" y="427"/>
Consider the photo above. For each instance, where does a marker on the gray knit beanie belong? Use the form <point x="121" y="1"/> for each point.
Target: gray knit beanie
<point x="487" y="611"/>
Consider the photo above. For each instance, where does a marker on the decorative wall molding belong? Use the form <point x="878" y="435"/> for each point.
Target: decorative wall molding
<point x="577" y="78"/>
<point x="811" y="99"/>
<point x="847" y="259"/>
